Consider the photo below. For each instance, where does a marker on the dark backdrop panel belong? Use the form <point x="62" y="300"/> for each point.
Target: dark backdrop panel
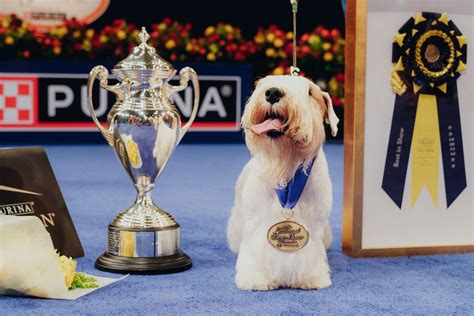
<point x="247" y="14"/>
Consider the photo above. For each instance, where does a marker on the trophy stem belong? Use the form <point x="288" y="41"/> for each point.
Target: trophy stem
<point x="144" y="188"/>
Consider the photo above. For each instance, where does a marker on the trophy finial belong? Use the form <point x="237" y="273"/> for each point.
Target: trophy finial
<point x="144" y="36"/>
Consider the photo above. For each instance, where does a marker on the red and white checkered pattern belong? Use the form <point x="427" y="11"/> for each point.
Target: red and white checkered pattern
<point x="16" y="101"/>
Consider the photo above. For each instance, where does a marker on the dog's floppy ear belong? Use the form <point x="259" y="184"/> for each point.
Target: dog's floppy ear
<point x="331" y="117"/>
<point x="325" y="102"/>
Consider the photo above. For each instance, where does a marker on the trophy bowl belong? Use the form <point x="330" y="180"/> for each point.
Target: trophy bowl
<point x="143" y="127"/>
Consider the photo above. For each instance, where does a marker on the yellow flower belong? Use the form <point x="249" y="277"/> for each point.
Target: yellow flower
<point x="189" y="47"/>
<point x="326" y="46"/>
<point x="278" y="71"/>
<point x="209" y="30"/>
<point x="328" y="56"/>
<point x="281" y="54"/>
<point x="121" y="35"/>
<point x="314" y="39"/>
<point x="9" y="40"/>
<point x="170" y="44"/>
<point x="278" y="43"/>
<point x="211" y="56"/>
<point x="61" y="31"/>
<point x="5" y="23"/>
<point x="214" y="47"/>
<point x="57" y="50"/>
<point x="270" y="52"/>
<point x="86" y="45"/>
<point x="162" y="26"/>
<point x="289" y="35"/>
<point x="90" y="33"/>
<point x="76" y="34"/>
<point x="103" y="39"/>
<point x="259" y="38"/>
<point x="270" y="37"/>
<point x="228" y="28"/>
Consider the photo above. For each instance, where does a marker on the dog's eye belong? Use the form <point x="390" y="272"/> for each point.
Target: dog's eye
<point x="310" y="93"/>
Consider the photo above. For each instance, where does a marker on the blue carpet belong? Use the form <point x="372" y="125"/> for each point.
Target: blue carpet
<point x="198" y="187"/>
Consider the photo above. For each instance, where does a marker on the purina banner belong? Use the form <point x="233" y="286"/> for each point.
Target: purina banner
<point x="51" y="101"/>
<point x="43" y="14"/>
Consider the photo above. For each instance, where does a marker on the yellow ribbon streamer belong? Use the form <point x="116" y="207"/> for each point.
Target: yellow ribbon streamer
<point x="425" y="149"/>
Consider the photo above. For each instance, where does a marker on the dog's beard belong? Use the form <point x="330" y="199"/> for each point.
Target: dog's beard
<point x="280" y="157"/>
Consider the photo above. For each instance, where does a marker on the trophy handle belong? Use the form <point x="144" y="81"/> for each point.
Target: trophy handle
<point x="186" y="74"/>
<point x="102" y="73"/>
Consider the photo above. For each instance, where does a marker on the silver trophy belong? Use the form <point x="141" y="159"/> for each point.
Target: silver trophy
<point x="144" y="128"/>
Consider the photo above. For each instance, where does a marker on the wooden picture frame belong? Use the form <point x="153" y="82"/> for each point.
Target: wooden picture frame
<point x="354" y="141"/>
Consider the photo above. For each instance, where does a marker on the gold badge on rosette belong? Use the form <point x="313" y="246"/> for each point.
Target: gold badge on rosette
<point x="429" y="53"/>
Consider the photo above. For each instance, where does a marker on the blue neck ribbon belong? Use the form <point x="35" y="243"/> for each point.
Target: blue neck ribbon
<point x="291" y="193"/>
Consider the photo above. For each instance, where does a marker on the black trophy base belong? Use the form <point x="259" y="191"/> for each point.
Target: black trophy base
<point x="141" y="265"/>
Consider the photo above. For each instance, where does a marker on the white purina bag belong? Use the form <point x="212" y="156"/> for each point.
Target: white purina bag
<point x="28" y="261"/>
<point x="29" y="265"/>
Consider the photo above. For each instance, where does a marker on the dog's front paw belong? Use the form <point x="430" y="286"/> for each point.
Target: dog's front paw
<point x="253" y="282"/>
<point x="315" y="282"/>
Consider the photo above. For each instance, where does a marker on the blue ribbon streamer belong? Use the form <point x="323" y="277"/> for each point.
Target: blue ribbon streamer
<point x="291" y="193"/>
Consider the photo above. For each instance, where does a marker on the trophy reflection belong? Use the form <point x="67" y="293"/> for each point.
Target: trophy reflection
<point x="144" y="128"/>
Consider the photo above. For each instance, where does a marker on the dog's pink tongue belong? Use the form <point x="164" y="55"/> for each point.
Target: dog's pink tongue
<point x="272" y="124"/>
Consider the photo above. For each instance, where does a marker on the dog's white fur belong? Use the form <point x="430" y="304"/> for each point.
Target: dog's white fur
<point x="273" y="163"/>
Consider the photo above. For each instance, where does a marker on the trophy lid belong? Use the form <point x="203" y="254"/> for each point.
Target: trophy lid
<point x="143" y="64"/>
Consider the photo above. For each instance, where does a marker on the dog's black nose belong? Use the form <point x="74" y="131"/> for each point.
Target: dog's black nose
<point x="273" y="95"/>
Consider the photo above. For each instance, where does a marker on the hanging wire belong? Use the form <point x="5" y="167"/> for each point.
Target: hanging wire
<point x="294" y="71"/>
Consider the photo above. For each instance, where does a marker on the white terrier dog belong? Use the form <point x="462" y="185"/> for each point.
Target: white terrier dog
<point x="283" y="124"/>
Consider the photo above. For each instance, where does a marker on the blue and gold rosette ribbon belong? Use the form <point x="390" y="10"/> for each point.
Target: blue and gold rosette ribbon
<point x="429" y="53"/>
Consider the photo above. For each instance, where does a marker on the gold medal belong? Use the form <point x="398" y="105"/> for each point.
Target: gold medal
<point x="288" y="236"/>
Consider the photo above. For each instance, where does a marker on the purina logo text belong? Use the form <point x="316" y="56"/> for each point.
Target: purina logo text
<point x="27" y="208"/>
<point x="54" y="102"/>
<point x="23" y="208"/>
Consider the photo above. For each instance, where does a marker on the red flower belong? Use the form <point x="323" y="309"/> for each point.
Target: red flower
<point x="117" y="22"/>
<point x="305" y="50"/>
<point x="335" y="33"/>
<point x="325" y="33"/>
<point x="239" y="56"/>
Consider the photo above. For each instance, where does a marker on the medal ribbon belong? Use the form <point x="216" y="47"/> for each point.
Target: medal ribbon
<point x="291" y="193"/>
<point x="429" y="53"/>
